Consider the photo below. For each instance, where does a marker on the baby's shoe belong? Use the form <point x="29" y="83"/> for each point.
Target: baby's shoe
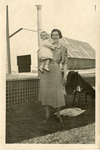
<point x="41" y="69"/>
<point x="46" y="68"/>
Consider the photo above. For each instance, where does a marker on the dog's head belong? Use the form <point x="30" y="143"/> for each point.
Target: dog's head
<point x="71" y="82"/>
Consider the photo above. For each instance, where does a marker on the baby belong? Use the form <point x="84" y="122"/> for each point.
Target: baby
<point x="45" y="52"/>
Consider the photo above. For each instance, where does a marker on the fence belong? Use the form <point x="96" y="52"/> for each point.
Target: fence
<point x="21" y="90"/>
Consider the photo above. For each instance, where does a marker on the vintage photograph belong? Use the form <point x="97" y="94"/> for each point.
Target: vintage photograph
<point x="50" y="71"/>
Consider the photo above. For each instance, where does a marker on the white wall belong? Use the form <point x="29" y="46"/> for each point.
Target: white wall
<point x="22" y="15"/>
<point x="24" y="43"/>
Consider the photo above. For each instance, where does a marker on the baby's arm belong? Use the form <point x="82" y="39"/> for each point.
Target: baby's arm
<point x="49" y="45"/>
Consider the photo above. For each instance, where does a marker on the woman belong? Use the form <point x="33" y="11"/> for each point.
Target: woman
<point x="51" y="84"/>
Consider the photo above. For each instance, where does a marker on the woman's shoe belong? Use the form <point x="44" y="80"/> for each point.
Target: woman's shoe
<point x="45" y="121"/>
<point x="60" y="118"/>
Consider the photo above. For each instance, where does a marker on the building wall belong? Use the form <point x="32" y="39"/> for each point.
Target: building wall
<point x="24" y="43"/>
<point x="76" y="63"/>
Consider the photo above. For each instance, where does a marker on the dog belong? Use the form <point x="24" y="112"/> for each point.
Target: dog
<point x="75" y="84"/>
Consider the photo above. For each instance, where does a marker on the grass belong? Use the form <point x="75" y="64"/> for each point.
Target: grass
<point x="24" y="124"/>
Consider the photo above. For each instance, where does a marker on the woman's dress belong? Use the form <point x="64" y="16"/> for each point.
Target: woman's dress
<point x="51" y="86"/>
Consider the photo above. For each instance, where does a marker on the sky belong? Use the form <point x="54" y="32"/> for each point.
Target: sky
<point x="77" y="19"/>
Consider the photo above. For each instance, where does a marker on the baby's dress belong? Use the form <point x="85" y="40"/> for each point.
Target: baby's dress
<point x="45" y="52"/>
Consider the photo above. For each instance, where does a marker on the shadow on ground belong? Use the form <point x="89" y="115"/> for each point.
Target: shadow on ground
<point x="26" y="121"/>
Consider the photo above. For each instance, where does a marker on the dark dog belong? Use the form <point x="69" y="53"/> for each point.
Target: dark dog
<point x="76" y="84"/>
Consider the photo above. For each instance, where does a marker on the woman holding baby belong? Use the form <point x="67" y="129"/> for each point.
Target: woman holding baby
<point x="51" y="82"/>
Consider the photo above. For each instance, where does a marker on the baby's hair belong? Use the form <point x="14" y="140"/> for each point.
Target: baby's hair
<point x="43" y="32"/>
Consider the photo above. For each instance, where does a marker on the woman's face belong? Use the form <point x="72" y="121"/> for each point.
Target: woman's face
<point x="55" y="36"/>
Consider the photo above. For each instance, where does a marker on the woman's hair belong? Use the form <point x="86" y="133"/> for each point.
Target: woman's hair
<point x="59" y="32"/>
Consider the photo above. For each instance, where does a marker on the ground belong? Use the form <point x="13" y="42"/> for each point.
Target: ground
<point x="25" y="124"/>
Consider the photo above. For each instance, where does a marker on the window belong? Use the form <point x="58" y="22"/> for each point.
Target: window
<point x="24" y="63"/>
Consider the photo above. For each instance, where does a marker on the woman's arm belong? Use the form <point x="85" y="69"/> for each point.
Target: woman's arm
<point x="64" y="55"/>
<point x="50" y="46"/>
<point x="64" y="61"/>
<point x="65" y="68"/>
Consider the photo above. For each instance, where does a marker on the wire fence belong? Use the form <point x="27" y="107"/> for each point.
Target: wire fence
<point x="21" y="91"/>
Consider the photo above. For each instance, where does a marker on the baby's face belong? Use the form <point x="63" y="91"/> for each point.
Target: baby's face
<point x="44" y="36"/>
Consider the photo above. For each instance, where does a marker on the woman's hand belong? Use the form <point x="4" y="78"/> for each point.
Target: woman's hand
<point x="61" y="67"/>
